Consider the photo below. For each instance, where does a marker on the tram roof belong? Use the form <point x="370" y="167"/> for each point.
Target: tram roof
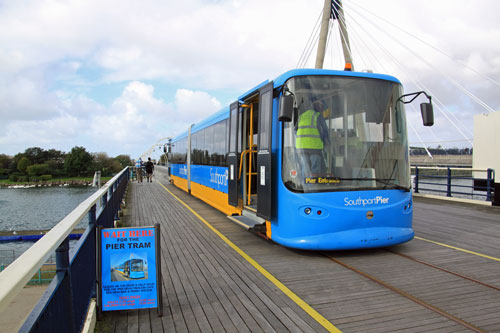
<point x="278" y="82"/>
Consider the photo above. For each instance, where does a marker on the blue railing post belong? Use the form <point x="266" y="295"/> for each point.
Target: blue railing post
<point x="63" y="270"/>
<point x="448" y="187"/>
<point x="104" y="211"/>
<point x="116" y="203"/>
<point x="489" y="182"/>
<point x="416" y="179"/>
<point x="92" y="215"/>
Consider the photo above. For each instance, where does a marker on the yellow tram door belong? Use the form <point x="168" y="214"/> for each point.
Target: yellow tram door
<point x="248" y="157"/>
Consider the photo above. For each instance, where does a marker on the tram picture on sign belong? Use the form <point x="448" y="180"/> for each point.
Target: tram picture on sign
<point x="128" y="266"/>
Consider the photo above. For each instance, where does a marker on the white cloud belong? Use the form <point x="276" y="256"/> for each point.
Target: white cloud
<point x="134" y="120"/>
<point x="52" y="53"/>
<point x="24" y="98"/>
<point x="137" y="119"/>
<point x="58" y="133"/>
<point x="194" y="105"/>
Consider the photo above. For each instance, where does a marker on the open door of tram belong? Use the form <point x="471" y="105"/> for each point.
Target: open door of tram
<point x="249" y="157"/>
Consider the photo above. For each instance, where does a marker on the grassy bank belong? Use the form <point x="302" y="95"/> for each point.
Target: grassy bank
<point x="56" y="181"/>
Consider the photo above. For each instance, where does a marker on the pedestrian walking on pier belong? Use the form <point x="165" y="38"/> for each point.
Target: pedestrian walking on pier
<point x="138" y="170"/>
<point x="149" y="170"/>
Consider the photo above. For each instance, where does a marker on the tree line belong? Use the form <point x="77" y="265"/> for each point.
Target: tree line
<point x="37" y="164"/>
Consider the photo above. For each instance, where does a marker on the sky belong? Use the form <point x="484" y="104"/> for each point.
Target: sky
<point x="120" y="76"/>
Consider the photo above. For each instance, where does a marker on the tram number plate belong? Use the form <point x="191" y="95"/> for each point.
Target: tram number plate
<point x="262" y="175"/>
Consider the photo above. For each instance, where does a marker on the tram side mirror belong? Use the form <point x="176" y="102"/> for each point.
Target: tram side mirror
<point x="427" y="114"/>
<point x="286" y="108"/>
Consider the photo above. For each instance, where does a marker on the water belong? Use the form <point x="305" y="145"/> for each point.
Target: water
<point x="39" y="208"/>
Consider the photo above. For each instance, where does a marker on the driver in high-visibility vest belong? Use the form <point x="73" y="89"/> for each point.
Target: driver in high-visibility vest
<point x="311" y="138"/>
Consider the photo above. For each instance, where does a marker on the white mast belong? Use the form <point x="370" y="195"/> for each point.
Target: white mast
<point x="333" y="9"/>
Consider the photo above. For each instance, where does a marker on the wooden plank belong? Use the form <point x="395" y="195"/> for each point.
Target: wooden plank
<point x="208" y="287"/>
<point x="241" y="278"/>
<point x="132" y="321"/>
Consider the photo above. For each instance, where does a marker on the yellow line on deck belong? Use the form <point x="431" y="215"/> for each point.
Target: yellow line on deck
<point x="306" y="307"/>
<point x="458" y="249"/>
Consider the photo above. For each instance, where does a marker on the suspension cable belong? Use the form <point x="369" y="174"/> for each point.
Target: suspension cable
<point x="310" y="43"/>
<point x="458" y="85"/>
<point x="429" y="45"/>
<point x="416" y="83"/>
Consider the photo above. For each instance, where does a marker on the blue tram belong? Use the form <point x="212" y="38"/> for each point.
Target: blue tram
<point x="260" y="160"/>
<point x="132" y="268"/>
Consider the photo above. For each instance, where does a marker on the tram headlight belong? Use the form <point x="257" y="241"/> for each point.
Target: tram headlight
<point x="307" y="211"/>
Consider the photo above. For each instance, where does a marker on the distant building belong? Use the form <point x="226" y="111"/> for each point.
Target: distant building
<point x="487" y="143"/>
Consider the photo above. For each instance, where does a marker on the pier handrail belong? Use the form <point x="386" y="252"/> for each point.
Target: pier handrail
<point x="18" y="273"/>
<point x="450" y="168"/>
<point x="486" y="185"/>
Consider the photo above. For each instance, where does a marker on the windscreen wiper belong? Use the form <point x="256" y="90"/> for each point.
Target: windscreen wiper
<point x="385" y="181"/>
<point x="389" y="183"/>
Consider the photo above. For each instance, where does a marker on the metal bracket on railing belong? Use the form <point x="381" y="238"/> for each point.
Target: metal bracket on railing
<point x="489" y="182"/>
<point x="63" y="273"/>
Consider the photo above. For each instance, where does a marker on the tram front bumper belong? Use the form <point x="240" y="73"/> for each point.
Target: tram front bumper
<point x="350" y="239"/>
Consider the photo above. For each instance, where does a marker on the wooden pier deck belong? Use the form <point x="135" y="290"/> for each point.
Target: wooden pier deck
<point x="219" y="277"/>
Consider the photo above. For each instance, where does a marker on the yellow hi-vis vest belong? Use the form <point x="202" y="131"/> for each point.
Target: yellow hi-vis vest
<point x="308" y="136"/>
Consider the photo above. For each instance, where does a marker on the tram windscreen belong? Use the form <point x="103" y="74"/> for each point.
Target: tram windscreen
<point x="346" y="134"/>
<point x="137" y="265"/>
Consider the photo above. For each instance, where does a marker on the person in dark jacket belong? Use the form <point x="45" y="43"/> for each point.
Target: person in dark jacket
<point x="149" y="170"/>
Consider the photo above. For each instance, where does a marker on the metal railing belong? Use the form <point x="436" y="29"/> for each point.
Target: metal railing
<point x="64" y="305"/>
<point x="454" y="181"/>
<point x="43" y="276"/>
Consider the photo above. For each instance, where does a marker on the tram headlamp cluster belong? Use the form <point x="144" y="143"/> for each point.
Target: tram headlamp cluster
<point x="313" y="211"/>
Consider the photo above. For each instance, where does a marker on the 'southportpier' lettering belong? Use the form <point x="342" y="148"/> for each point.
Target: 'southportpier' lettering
<point x="379" y="200"/>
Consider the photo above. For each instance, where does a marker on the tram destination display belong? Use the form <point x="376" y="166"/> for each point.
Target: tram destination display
<point x="129" y="273"/>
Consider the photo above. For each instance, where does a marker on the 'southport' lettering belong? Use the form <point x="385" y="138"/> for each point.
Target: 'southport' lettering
<point x="218" y="178"/>
<point x="379" y="200"/>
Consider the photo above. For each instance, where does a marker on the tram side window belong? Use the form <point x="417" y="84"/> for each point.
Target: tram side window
<point x="174" y="153"/>
<point x="208" y="146"/>
<point x="200" y="147"/>
<point x="184" y="150"/>
<point x="194" y="148"/>
<point x="208" y="140"/>
<point x="220" y="144"/>
<point x="179" y="151"/>
<point x="226" y="150"/>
